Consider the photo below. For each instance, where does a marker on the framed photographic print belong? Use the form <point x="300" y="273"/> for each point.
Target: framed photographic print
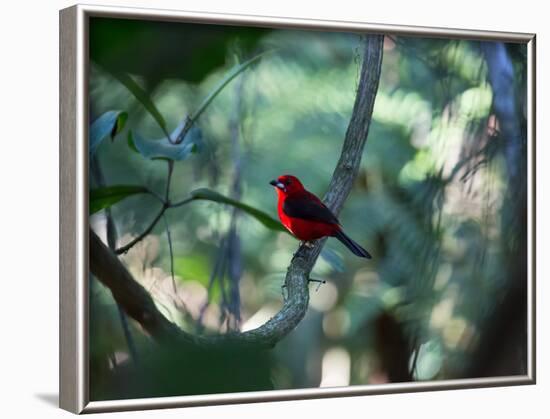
<point x="269" y="209"/>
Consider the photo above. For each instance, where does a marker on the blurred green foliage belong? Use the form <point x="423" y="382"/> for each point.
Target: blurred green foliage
<point x="427" y="204"/>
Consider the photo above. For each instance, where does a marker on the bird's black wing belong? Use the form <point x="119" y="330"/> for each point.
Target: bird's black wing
<point x="308" y="207"/>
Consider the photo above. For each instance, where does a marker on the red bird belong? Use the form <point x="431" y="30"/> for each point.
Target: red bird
<point x="306" y="217"/>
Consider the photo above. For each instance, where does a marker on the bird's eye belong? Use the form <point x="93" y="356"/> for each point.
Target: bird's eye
<point x="288" y="182"/>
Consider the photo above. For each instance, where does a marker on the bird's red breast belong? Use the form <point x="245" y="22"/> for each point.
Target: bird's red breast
<point x="305" y="215"/>
<point x="301" y="212"/>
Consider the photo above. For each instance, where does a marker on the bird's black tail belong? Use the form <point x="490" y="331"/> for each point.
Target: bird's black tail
<point x="351" y="245"/>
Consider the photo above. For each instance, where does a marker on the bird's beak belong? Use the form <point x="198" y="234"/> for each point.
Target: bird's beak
<point x="277" y="184"/>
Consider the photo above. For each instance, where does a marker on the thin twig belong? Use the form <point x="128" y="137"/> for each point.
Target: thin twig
<point x="171" y="250"/>
<point x="318" y="281"/>
<point x="165" y="205"/>
<point x="178" y="302"/>
<point x="156" y="195"/>
<point x="168" y="180"/>
<point x="221" y="282"/>
<point x="221" y="85"/>
<point x="139" y="238"/>
<point x="181" y="203"/>
<point x="234" y="270"/>
<point x="471" y="172"/>
<point x="487" y="149"/>
<point x="211" y="280"/>
<point x="412" y="369"/>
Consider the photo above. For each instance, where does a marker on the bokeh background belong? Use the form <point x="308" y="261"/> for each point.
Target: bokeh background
<point x="433" y="203"/>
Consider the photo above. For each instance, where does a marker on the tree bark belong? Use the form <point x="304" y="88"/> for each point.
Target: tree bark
<point x="139" y="304"/>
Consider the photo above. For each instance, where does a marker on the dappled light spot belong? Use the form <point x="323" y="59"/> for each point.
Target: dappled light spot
<point x="325" y="298"/>
<point x="441" y="313"/>
<point x="336" y="368"/>
<point x="476" y="101"/>
<point x="429" y="360"/>
<point x="442" y="277"/>
<point x="392" y="296"/>
<point x="260" y="317"/>
<point x="456" y="331"/>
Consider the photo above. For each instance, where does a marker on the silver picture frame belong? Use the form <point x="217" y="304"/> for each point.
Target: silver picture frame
<point x="73" y="251"/>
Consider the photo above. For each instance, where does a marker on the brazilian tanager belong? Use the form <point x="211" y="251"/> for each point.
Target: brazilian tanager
<point x="306" y="217"/>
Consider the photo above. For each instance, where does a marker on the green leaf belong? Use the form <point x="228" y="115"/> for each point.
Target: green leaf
<point x="162" y="148"/>
<point x="264" y="218"/>
<point x="131" y="142"/>
<point x="108" y="124"/>
<point x="101" y="198"/>
<point x="142" y="96"/>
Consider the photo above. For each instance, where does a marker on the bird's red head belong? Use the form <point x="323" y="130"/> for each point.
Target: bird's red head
<point x="287" y="184"/>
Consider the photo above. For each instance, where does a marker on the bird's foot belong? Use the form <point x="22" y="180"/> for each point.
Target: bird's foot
<point x="308" y="244"/>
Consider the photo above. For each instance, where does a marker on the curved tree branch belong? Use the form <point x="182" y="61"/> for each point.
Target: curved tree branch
<point x="139" y="304"/>
<point x="296" y="303"/>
